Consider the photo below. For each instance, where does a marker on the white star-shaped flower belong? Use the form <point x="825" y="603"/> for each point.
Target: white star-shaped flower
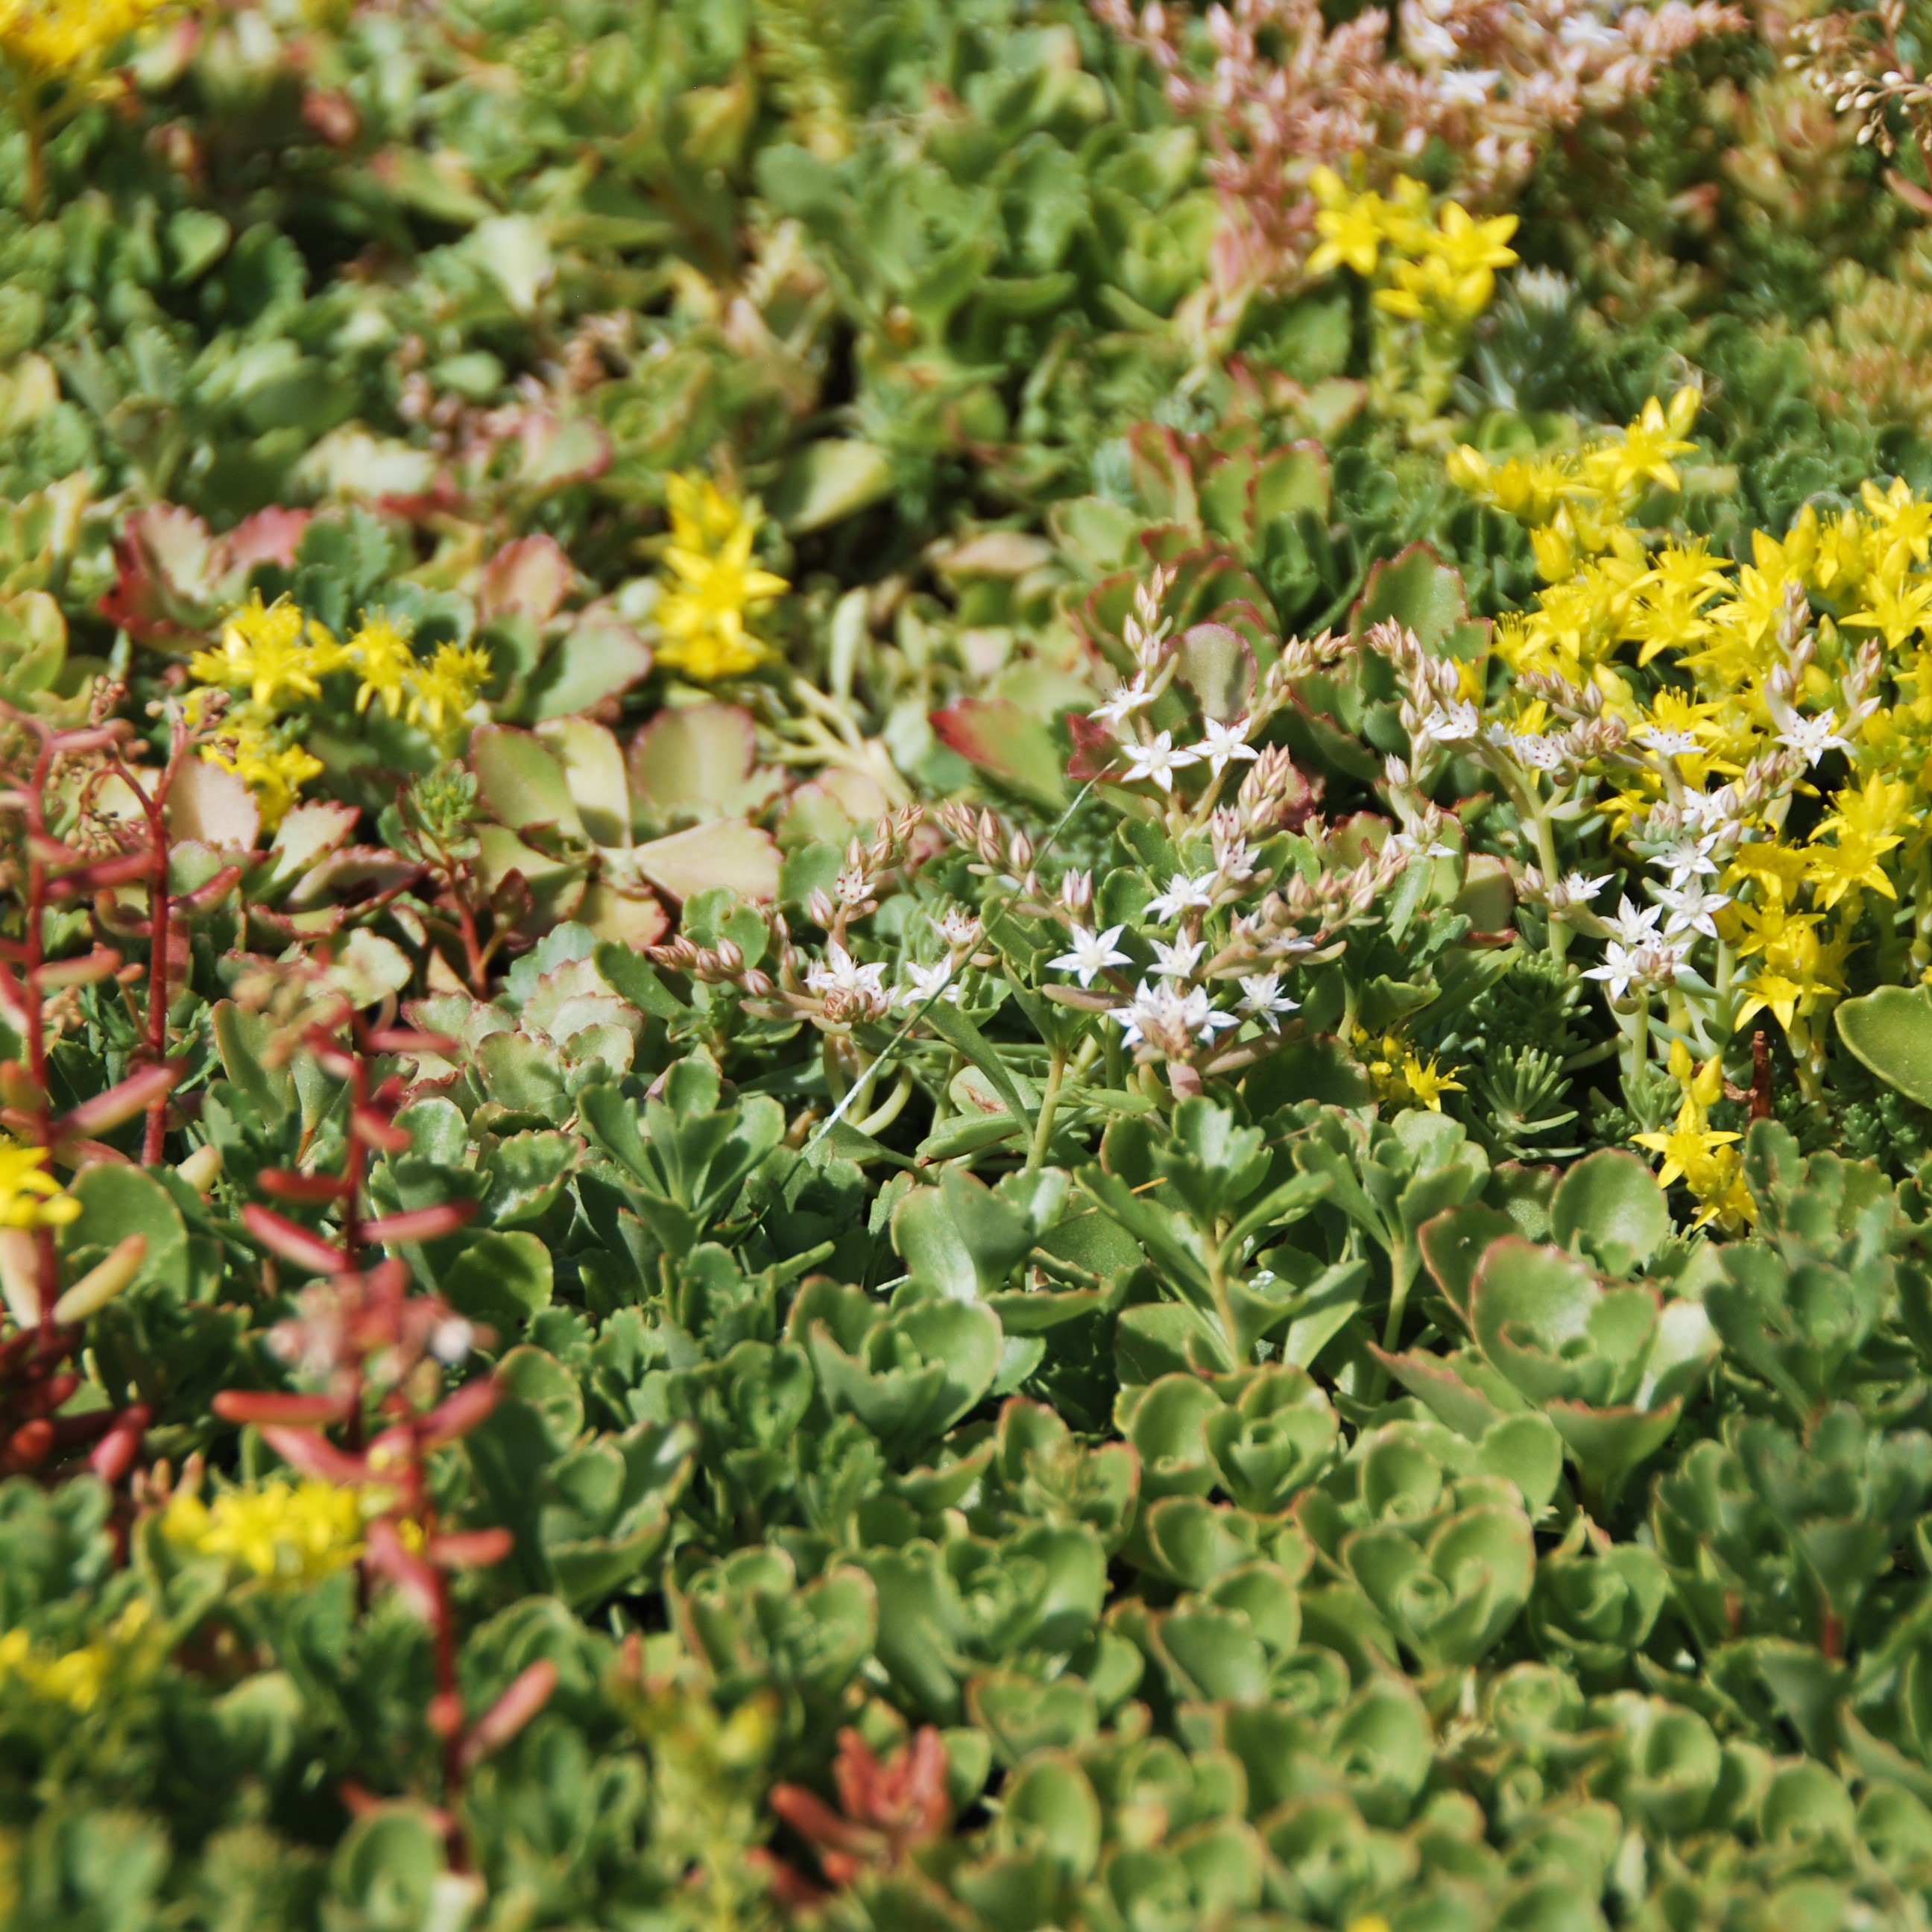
<point x="1158" y="760"/>
<point x="1690" y="907"/>
<point x="1634" y="924"/>
<point x="1178" y="961"/>
<point x="1814" y="737"/>
<point x="1183" y="895"/>
<point x="923" y="983"/>
<point x="1261" y="996"/>
<point x="1126" y="700"/>
<point x="1670" y="744"/>
<point x="1222" y="743"/>
<point x="1579" y="890"/>
<point x="1456" y="724"/>
<point x="1090" y="954"/>
<point x="1618" y="969"/>
<point x="1685" y="858"/>
<point x="840" y="973"/>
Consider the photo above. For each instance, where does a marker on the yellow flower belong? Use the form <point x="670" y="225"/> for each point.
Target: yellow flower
<point x="1776" y="992"/>
<point x="30" y="1197"/>
<point x="1435" y="288"/>
<point x="1428" y="1085"/>
<point x="285" y="1532"/>
<point x="1895" y="604"/>
<point x="1353" y="227"/>
<point x="77" y="1678"/>
<point x="384" y="661"/>
<point x="1469" y="247"/>
<point x="1643" y="454"/>
<point x="273" y="654"/>
<point x="1688" y="1149"/>
<point x="702" y="517"/>
<point x="444" y="688"/>
<point x="274" y="771"/>
<point x="1900" y="523"/>
<point x="51" y="37"/>
<point x="702" y="616"/>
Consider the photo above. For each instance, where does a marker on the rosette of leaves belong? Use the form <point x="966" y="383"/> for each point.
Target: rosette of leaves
<point x="566" y="806"/>
<point x="1258" y="1436"/>
<point x="1596" y="1603"/>
<point x="1224" y="1190"/>
<point x="1562" y="1330"/>
<point x="1811" y="1304"/>
<point x="590" y="1508"/>
<point x="1438" y="1546"/>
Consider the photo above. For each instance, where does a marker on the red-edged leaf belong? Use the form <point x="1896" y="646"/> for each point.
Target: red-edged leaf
<point x="280" y="1236"/>
<point x="410" y="1574"/>
<point x="421" y="1224"/>
<point x="313" y="1455"/>
<point x="276" y="1406"/>
<point x="526" y="1696"/>
<point x="409" y="1039"/>
<point x="459" y="1413"/>
<point x="88" y="970"/>
<point x="113" y="1456"/>
<point x="470" y="1549"/>
<point x="217" y="889"/>
<point x="120" y="1103"/>
<point x="373" y="1131"/>
<point x="286" y="1185"/>
<point x="85" y="880"/>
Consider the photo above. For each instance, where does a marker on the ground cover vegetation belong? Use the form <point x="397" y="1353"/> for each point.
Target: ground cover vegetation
<point x="965" y="965"/>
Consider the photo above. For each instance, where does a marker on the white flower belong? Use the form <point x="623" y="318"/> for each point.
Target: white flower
<point x="923" y="983"/>
<point x="1685" y="858"/>
<point x="1690" y="907"/>
<point x="1152" y="1008"/>
<point x="1455" y="723"/>
<point x="1634" y="924"/>
<point x="1127" y="699"/>
<point x="1226" y="742"/>
<point x="1585" y="31"/>
<point x="1089" y="953"/>
<point x="852" y="886"/>
<point x="1714" y="812"/>
<point x="1261" y="996"/>
<point x="1164" y="1017"/>
<point x="1159" y="760"/>
<point x="1203" y="1017"/>
<point x="1813" y="736"/>
<point x="1528" y="748"/>
<point x="1467" y="86"/>
<point x="1427" y="42"/>
<point x="840" y="973"/>
<point x="1618" y="969"/>
<point x="1178" y="961"/>
<point x="958" y="927"/>
<point x="1408" y="842"/>
<point x="1670" y="744"/>
<point x="1580" y="891"/>
<point x="1182" y="894"/>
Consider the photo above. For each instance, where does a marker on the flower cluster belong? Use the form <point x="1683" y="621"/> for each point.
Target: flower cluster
<point x="77" y="1678"/>
<point x="1285" y="96"/>
<point x="1756" y="737"/>
<point x="49" y="37"/>
<point x="714" y="585"/>
<point x="30" y="1197"/>
<point x="274" y="658"/>
<point x="1445" y="274"/>
<point x="286" y="1533"/>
